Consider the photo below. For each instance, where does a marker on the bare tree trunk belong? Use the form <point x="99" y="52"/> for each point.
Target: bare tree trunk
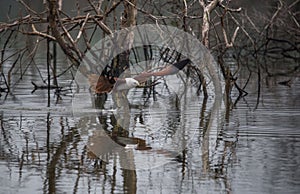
<point x="53" y="17"/>
<point x="130" y="13"/>
<point x="206" y="17"/>
<point x="207" y="8"/>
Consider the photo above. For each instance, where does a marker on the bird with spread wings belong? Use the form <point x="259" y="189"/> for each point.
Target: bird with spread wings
<point x="101" y="84"/>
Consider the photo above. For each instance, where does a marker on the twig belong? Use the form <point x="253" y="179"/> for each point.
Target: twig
<point x="274" y="16"/>
<point x="35" y="32"/>
<point x="75" y="48"/>
<point x="114" y="6"/>
<point x="251" y="22"/>
<point x="235" y="34"/>
<point x="97" y="10"/>
<point x="11" y="68"/>
<point x="243" y="29"/>
<point x="230" y="9"/>
<point x="104" y="27"/>
<point x="81" y="28"/>
<point x="4" y="46"/>
<point x="155" y="18"/>
<point x="28" y="8"/>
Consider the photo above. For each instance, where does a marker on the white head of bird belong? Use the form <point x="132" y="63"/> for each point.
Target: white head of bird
<point x="128" y="84"/>
<point x="131" y="83"/>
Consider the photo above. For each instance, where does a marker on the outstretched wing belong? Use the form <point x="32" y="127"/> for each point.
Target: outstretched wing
<point x="168" y="70"/>
<point x="172" y="69"/>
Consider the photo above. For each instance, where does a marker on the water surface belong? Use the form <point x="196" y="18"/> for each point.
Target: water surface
<point x="49" y="149"/>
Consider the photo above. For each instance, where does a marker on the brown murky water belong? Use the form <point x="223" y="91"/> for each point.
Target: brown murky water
<point x="47" y="150"/>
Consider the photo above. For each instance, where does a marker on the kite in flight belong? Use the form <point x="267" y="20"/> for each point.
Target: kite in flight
<point x="101" y="84"/>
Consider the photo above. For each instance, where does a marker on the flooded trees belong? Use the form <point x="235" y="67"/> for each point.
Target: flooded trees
<point x="48" y="41"/>
<point x="226" y="28"/>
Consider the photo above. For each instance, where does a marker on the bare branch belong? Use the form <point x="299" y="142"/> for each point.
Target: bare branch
<point x="280" y="6"/>
<point x="114" y="6"/>
<point x="35" y="32"/>
<point x="251" y="22"/>
<point x="28" y="8"/>
<point x="234" y="34"/>
<point x="81" y="28"/>
<point x="153" y="17"/>
<point x="243" y="29"/>
<point x="104" y="27"/>
<point x="55" y="32"/>
<point x="96" y="9"/>
<point x="230" y="9"/>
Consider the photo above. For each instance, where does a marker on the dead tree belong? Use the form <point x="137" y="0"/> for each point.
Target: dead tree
<point x="221" y="28"/>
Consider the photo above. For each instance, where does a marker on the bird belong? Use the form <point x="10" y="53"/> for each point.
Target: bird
<point x="101" y="84"/>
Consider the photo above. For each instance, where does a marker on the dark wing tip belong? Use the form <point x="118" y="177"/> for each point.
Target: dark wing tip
<point x="181" y="64"/>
